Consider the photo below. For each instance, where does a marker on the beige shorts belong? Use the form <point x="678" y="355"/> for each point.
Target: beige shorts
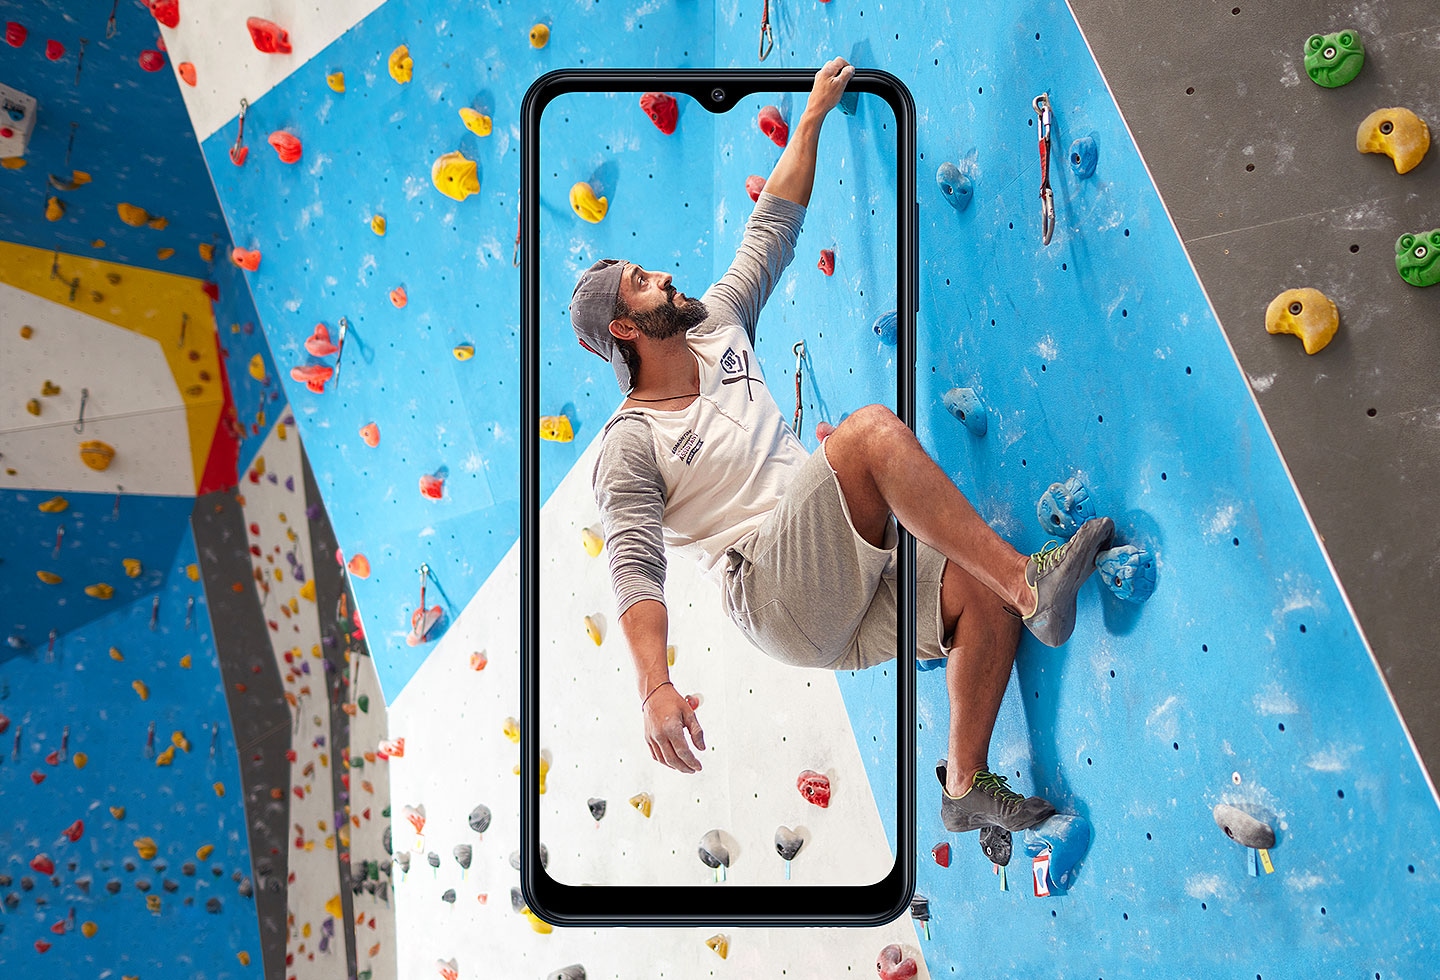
<point x="809" y="591"/>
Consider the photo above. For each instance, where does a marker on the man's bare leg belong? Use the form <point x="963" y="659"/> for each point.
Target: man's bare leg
<point x="982" y="652"/>
<point x="883" y="469"/>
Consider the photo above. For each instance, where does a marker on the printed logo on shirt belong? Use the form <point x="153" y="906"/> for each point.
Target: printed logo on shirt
<point x="731" y="361"/>
<point x="741" y="372"/>
<point x="687" y="447"/>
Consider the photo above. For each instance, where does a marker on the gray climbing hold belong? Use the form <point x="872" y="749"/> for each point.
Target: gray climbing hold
<point x="382" y="891"/>
<point x="112" y="886"/>
<point x="787" y="842"/>
<point x="432" y="859"/>
<point x="480" y="818"/>
<point x="998" y="844"/>
<point x="517" y="900"/>
<point x="957" y="187"/>
<point x="463" y="854"/>
<point x="449" y="896"/>
<point x="213" y="905"/>
<point x="572" y="972"/>
<point x="544" y="856"/>
<point x="1084" y="155"/>
<point x="143" y="884"/>
<point x="170" y="885"/>
<point x="403" y="858"/>
<point x="712" y="851"/>
<point x="245" y="888"/>
<point x="597" y="807"/>
<point x="1243" y="828"/>
<point x="188" y="869"/>
<point x="1127" y="571"/>
<point x="385" y="840"/>
<point x="1064" y="507"/>
<point x="965" y="405"/>
<point x="515" y="860"/>
<point x="920" y="908"/>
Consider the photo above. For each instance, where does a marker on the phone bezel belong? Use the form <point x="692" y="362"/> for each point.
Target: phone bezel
<point x="824" y="905"/>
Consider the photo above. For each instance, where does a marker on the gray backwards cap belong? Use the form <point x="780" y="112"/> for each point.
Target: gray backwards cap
<point x="591" y="306"/>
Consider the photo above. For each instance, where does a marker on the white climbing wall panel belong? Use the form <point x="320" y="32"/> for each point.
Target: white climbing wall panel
<point x="134" y="403"/>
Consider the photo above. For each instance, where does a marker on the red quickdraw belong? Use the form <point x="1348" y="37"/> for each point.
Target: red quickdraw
<point x="767" y="40"/>
<point x="1041" y="104"/>
<point x="799" y="350"/>
<point x="238" y="150"/>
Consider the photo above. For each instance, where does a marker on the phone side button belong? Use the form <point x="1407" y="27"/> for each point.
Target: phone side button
<point x="915" y="257"/>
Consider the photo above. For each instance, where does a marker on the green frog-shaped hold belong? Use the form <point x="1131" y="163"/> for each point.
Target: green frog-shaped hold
<point x="1417" y="258"/>
<point x="1332" y="60"/>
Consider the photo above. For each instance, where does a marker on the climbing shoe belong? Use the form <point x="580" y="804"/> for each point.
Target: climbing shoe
<point x="1055" y="574"/>
<point x="989" y="802"/>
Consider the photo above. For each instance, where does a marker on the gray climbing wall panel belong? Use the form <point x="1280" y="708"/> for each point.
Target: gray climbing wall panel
<point x="1258" y="168"/>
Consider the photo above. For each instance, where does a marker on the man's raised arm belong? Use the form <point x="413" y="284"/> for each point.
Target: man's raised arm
<point x="794" y="175"/>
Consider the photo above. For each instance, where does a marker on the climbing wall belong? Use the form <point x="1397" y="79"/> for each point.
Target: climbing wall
<point x="1244" y="680"/>
<point x="151" y="838"/>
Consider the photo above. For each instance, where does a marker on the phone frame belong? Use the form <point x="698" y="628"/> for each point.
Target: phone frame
<point x="816" y="905"/>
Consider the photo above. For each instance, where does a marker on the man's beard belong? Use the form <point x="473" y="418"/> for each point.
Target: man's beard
<point x="667" y="320"/>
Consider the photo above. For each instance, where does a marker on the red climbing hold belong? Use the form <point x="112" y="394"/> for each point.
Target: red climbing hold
<point x="773" y="125"/>
<point x="152" y="60"/>
<point x="15" y="34"/>
<point x="42" y="864"/>
<point x="287" y="146"/>
<point x="54" y="50"/>
<point x="754" y="184"/>
<point x="827" y="261"/>
<point x="432" y="486"/>
<point x="268" y="36"/>
<point x="319" y="342"/>
<point x="815" y="787"/>
<point x="58" y="928"/>
<point x="166" y="12"/>
<point x="893" y="964"/>
<point x="53" y="758"/>
<point x="74" y="831"/>
<point x="4" y="724"/>
<point x="37" y="777"/>
<point x="211" y="289"/>
<point x="941" y="853"/>
<point x="41" y="946"/>
<point x="247" y="259"/>
<point x="662" y="110"/>
<point x="314" y="376"/>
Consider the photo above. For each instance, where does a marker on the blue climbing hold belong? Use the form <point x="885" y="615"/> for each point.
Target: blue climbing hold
<point x="1067" y="837"/>
<point x="1064" y="507"/>
<point x="1127" y="571"/>
<point x="957" y="187"/>
<point x="1084" y="154"/>
<point x="849" y="102"/>
<point x="965" y="405"/>
<point x="887" y="327"/>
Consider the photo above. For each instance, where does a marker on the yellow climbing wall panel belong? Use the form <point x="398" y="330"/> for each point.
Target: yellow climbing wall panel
<point x="153" y="304"/>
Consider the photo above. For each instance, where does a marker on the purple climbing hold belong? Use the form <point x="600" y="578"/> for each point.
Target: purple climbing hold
<point x="1127" y="571"/>
<point x="1064" y="507"/>
<point x="965" y="405"/>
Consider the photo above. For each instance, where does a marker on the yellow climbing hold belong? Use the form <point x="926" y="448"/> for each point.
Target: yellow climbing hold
<point x="180" y="741"/>
<point x="1398" y="133"/>
<point x="511" y="728"/>
<point x="100" y="590"/>
<point x="33" y="406"/>
<point x="463" y="352"/>
<point x="152" y="902"/>
<point x="185" y="661"/>
<point x="219" y="789"/>
<point x="164" y="253"/>
<point x="539" y="36"/>
<point x="192" y="570"/>
<point x="96" y="454"/>
<point x="207" y="251"/>
<point x="159" y="224"/>
<point x="204" y="851"/>
<point x="641" y="802"/>
<point x="166" y="757"/>
<point x="377" y="224"/>
<point x="257" y="368"/>
<point x="88" y="929"/>
<point x="146" y="847"/>
<point x="54" y="209"/>
<point x="132" y="567"/>
<point x="719" y="944"/>
<point x="142" y="689"/>
<point x="556" y="428"/>
<point x="401" y="64"/>
<point x="118" y="812"/>
<point x="26" y="332"/>
<point x="49" y="388"/>
<point x="537" y="923"/>
<point x="475" y="121"/>
<point x="334" y="907"/>
<point x="131" y="215"/>
<point x="243" y="957"/>
<point x="544" y="768"/>
<point x="592" y="630"/>
<point x="1307" y="313"/>
<point x="336" y="81"/>
<point x="80" y="759"/>
<point x="592" y="541"/>
<point x="455" y="176"/>
<point x="116" y="655"/>
<point x="584" y="203"/>
<point x="670" y="655"/>
<point x="49" y="578"/>
<point x="12" y="163"/>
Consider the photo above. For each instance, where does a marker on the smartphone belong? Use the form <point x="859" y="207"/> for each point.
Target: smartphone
<point x="717" y="707"/>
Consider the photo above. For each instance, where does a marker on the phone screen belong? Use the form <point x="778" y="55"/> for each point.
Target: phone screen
<point x="689" y="556"/>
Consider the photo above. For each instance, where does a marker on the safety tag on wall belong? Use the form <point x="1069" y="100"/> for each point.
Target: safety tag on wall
<point x="999" y="869"/>
<point x="1265" y="861"/>
<point x="1040" y="864"/>
<point x="1251" y="864"/>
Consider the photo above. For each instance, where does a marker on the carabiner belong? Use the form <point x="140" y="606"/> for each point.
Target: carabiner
<point x="238" y="150"/>
<point x="767" y="40"/>
<point x="799" y="350"/>
<point x="1041" y="104"/>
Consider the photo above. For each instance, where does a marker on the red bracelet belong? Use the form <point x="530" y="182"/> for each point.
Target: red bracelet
<point x="652" y="691"/>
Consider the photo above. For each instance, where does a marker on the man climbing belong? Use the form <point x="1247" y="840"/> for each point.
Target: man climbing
<point x="803" y="545"/>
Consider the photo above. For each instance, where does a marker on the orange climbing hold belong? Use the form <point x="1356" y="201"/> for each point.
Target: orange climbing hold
<point x="398" y="297"/>
<point x="97" y="455"/>
<point x="247" y="259"/>
<point x="319" y="343"/>
<point x="268" y="37"/>
<point x="772" y="124"/>
<point x="359" y="566"/>
<point x="187" y="72"/>
<point x="478" y="660"/>
<point x="370" y="434"/>
<point x="287" y="146"/>
<point x="432" y="486"/>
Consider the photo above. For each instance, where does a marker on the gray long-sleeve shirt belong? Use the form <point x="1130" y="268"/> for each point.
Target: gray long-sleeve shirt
<point x="702" y="478"/>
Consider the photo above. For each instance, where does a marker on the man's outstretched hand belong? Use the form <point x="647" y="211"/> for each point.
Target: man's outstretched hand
<point x="830" y="82"/>
<point x="668" y="716"/>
